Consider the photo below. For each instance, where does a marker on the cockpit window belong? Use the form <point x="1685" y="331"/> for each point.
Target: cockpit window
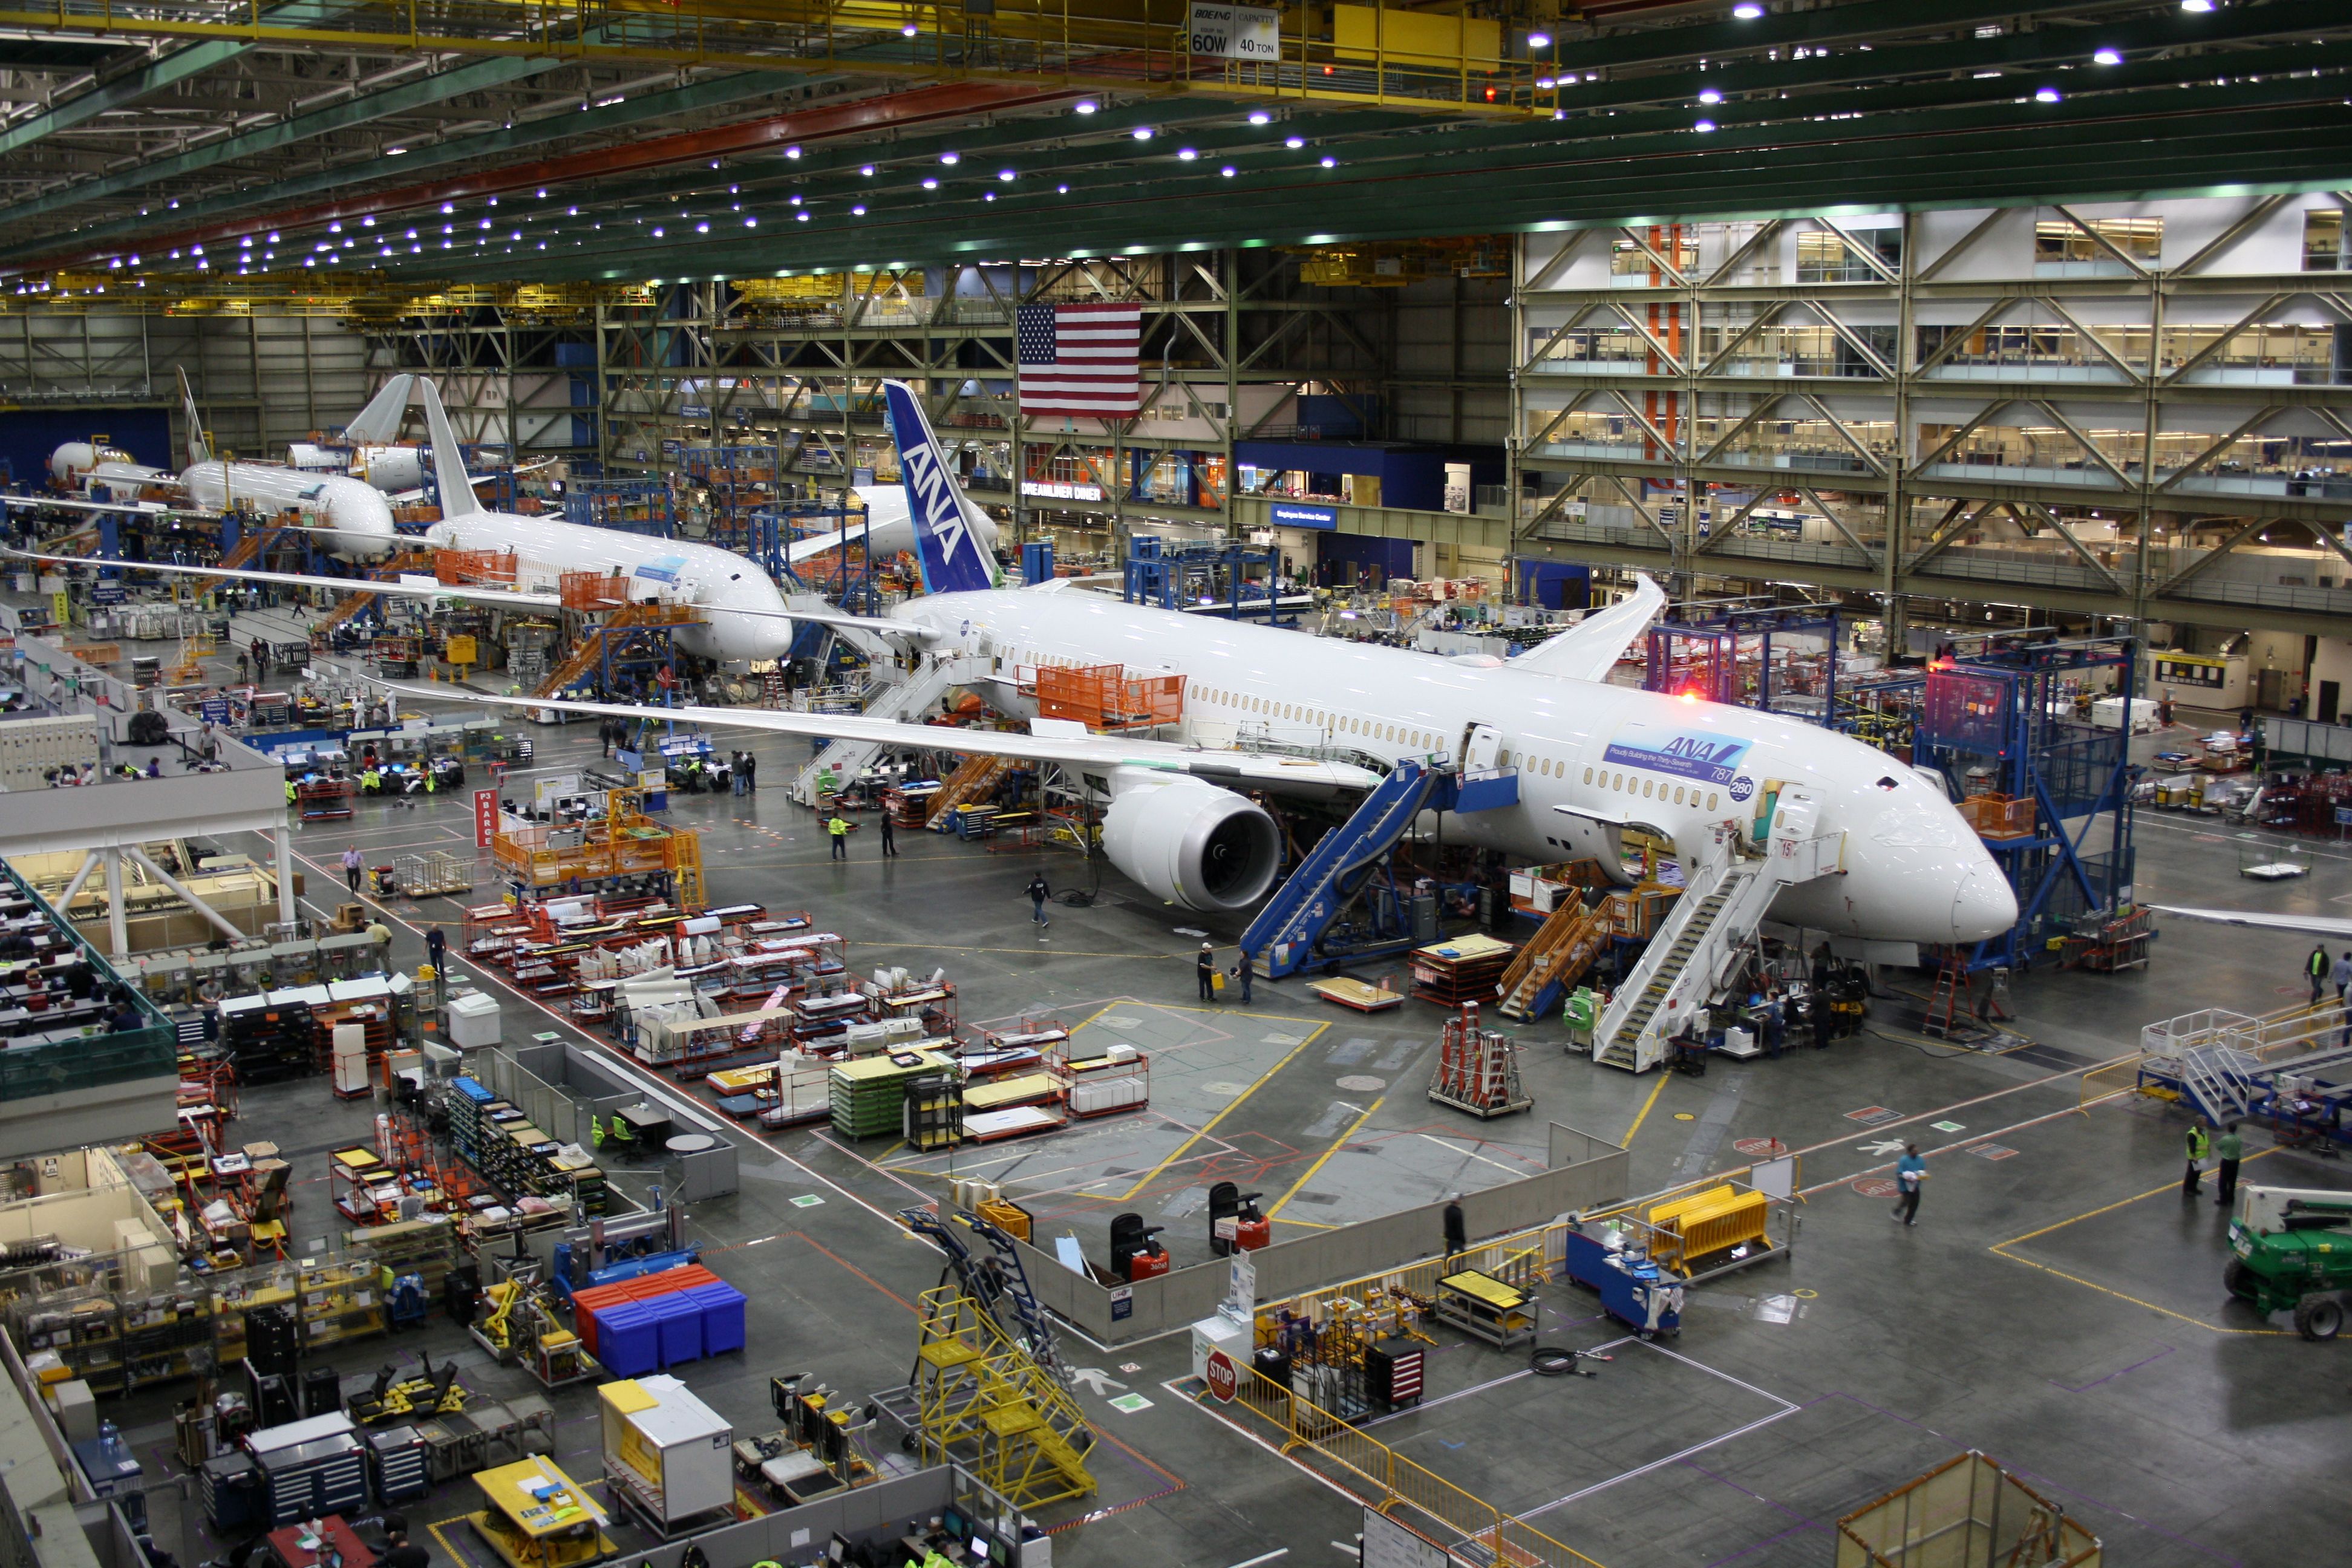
<point x="1888" y="784"/>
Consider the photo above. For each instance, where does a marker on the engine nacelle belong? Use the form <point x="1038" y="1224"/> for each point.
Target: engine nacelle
<point x="1192" y="843"/>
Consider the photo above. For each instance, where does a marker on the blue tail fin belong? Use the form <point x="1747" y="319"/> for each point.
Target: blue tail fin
<point x="945" y="545"/>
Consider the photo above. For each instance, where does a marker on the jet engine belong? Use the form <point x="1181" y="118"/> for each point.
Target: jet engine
<point x="1192" y="843"/>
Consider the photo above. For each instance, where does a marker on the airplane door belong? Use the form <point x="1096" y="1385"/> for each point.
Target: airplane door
<point x="1482" y="748"/>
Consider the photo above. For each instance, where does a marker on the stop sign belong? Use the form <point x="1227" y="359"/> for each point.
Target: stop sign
<point x="1223" y="1380"/>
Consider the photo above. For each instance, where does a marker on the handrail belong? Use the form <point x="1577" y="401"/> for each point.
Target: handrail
<point x="1387" y="1480"/>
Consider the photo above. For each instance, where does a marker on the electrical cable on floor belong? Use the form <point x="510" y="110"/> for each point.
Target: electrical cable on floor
<point x="1922" y="1047"/>
<point x="1558" y="1361"/>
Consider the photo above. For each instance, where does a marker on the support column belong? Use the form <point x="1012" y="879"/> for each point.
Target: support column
<point x="118" y="925"/>
<point x="212" y="915"/>
<point x="88" y="864"/>
<point x="285" y="874"/>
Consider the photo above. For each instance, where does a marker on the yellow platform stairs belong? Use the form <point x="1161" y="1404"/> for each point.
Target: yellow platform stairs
<point x="1563" y="949"/>
<point x="981" y="1402"/>
<point x="977" y="776"/>
<point x="589" y="651"/>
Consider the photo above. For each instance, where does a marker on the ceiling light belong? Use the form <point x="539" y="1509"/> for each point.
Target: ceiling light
<point x="542" y="192"/>
<point x="2045" y="95"/>
<point x="1748" y="13"/>
<point x="388" y="153"/>
<point x="571" y="212"/>
<point x="907" y="31"/>
<point x="750" y="223"/>
<point x="2200" y="7"/>
<point x="1539" y="40"/>
<point x="1006" y="175"/>
<point x="1062" y="190"/>
<point x="448" y="207"/>
<point x="1085" y="106"/>
<point x="1141" y="133"/>
<point x="857" y="211"/>
<point x="1227" y="171"/>
<point x="1704" y="125"/>
<point x="1294" y="142"/>
<point x="334" y="229"/>
<point x="2108" y="58"/>
<point x="1545" y="84"/>
<point x="794" y="198"/>
<point x="368" y="222"/>
<point x="1331" y="163"/>
<point x="657" y="234"/>
<point x="702" y="228"/>
<point x="951" y="159"/>
<point x="494" y="201"/>
<point x="1260" y="117"/>
<point x="931" y="185"/>
<point x="1186" y="154"/>
<point x="791" y="152"/>
<point x="803" y="216"/>
<point x="247" y="241"/>
<point x="867" y="171"/>
<point x="1710" y="96"/>
<point x="988" y="195"/>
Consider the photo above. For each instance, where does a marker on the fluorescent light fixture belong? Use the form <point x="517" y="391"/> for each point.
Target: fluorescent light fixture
<point x="1331" y="163"/>
<point x="858" y="211"/>
<point x="750" y="223"/>
<point x="1704" y="125"/>
<point x="1539" y="40"/>
<point x="1227" y="171"/>
<point x="1141" y="133"/>
<point x="1710" y="96"/>
<point x="1062" y="190"/>
<point x="1260" y="117"/>
<point x="803" y="216"/>
<point x="388" y="153"/>
<point x="1085" y="106"/>
<point x="1748" y="13"/>
<point x="2045" y="95"/>
<point x="542" y="192"/>
<point x="1294" y="142"/>
<point x="1007" y="175"/>
<point x="907" y="31"/>
<point x="2108" y="58"/>
<point x="931" y="185"/>
<point x="867" y="171"/>
<point x="791" y="152"/>
<point x="1186" y="154"/>
<point x="1545" y="84"/>
<point x="951" y="159"/>
<point x="2198" y="7"/>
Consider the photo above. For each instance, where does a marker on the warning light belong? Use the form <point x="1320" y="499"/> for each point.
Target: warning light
<point x="1689" y="695"/>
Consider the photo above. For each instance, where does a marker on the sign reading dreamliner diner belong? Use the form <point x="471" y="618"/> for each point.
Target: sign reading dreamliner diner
<point x="1696" y="754"/>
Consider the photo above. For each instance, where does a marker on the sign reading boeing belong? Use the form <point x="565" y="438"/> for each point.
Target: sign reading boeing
<point x="1697" y="755"/>
<point x="1288" y="515"/>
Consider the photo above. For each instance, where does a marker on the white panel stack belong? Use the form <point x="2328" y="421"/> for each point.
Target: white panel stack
<point x="350" y="1060"/>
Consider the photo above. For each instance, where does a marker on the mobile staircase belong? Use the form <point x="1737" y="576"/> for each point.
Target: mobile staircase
<point x="2225" y="1066"/>
<point x="1729" y="884"/>
<point x="1301" y="928"/>
<point x="997" y="1281"/>
<point x="903" y="701"/>
<point x="974" y="777"/>
<point x="1570" y="940"/>
<point x="641" y="631"/>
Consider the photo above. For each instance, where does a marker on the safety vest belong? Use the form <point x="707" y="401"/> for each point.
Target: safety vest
<point x="2197" y="1143"/>
<point x="372" y="779"/>
<point x="837" y="827"/>
<point x="290" y="792"/>
<point x="2318" y="961"/>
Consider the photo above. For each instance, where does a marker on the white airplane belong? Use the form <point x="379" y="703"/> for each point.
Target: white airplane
<point x="372" y="436"/>
<point x="78" y="464"/>
<point x="1592" y="759"/>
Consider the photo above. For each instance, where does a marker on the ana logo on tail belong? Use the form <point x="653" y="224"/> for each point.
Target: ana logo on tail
<point x="951" y="558"/>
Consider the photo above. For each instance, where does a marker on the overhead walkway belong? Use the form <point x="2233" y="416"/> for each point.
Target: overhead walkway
<point x="1337" y="907"/>
<point x="1728" y="885"/>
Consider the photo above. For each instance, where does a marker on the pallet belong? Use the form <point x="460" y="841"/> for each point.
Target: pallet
<point x="1355" y="994"/>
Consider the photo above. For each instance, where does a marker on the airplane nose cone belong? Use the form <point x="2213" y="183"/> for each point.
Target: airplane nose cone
<point x="1984" y="907"/>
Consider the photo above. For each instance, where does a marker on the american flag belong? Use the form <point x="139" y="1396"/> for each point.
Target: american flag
<point x="1080" y="360"/>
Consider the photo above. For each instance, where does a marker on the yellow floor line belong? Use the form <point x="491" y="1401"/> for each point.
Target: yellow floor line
<point x="1996" y="1249"/>
<point x="1210" y="1126"/>
<point x="1305" y="1224"/>
<point x="1338" y="1145"/>
<point x="1656" y="1089"/>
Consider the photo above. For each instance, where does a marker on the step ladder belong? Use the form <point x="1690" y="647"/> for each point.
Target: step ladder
<point x="624" y="625"/>
<point x="997" y="1281"/>
<point x="975" y="777"/>
<point x="1728" y="888"/>
<point x="1572" y="939"/>
<point x="1478" y="1068"/>
<point x="1295" y="931"/>
<point x="2217" y="1083"/>
<point x="904" y="701"/>
<point x="979" y="1401"/>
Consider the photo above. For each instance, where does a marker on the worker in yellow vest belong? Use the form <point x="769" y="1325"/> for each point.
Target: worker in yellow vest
<point x="839" y="827"/>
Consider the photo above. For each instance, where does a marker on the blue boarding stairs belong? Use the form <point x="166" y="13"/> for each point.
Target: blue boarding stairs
<point x="1340" y="905"/>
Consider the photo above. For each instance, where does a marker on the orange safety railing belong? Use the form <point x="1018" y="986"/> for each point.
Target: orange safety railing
<point x="625" y="844"/>
<point x="591" y="592"/>
<point x="1103" y="697"/>
<point x="474" y="567"/>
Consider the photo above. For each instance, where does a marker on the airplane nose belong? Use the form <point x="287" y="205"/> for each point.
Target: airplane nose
<point x="1985" y="905"/>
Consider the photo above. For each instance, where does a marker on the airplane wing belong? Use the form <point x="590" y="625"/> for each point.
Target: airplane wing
<point x="413" y="588"/>
<point x="1074" y="745"/>
<point x="509" y="598"/>
<point x="1587" y="649"/>
<point x="138" y="509"/>
<point x="2311" y="925"/>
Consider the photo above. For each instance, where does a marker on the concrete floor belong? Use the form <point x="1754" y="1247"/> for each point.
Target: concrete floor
<point x="2058" y="1307"/>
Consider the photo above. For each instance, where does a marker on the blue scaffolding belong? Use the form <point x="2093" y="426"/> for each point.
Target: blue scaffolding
<point x="2008" y="726"/>
<point x="1728" y="658"/>
<point x="1203" y="574"/>
<point x="631" y="506"/>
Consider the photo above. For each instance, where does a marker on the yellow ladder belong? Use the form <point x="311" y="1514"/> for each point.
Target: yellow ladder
<point x="976" y="774"/>
<point x="686" y="868"/>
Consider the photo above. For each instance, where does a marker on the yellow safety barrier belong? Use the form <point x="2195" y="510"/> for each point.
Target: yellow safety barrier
<point x="1361" y="1465"/>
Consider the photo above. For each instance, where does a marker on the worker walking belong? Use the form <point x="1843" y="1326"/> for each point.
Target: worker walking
<point x="1910" y="1172"/>
<point x="2315" y="968"/>
<point x="1457" y="1239"/>
<point x="889" y="836"/>
<point x="351" y="867"/>
<point x="1038" y="894"/>
<point x="2231" y="1149"/>
<point x="2340" y="976"/>
<point x="436" y="944"/>
<point x="839" y="828"/>
<point x="2199" y="1145"/>
<point x="1204" y="969"/>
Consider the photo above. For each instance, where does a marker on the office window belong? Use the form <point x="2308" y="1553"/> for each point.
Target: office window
<point x="2322" y="240"/>
<point x="1823" y="258"/>
<point x="2057" y="242"/>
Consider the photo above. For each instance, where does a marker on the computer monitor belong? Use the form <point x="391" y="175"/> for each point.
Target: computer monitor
<point x="982" y="1549"/>
<point x="836" y="1550"/>
<point x="953" y="1523"/>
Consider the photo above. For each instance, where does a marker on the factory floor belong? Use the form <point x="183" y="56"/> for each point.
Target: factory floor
<point x="2058" y="1306"/>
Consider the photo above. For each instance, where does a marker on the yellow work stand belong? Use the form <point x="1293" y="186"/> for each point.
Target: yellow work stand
<point x="529" y="1525"/>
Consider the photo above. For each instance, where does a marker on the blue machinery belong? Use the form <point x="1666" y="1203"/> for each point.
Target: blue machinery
<point x="2002" y="722"/>
<point x="1302" y="927"/>
<point x="605" y="1250"/>
<point x="1173" y="579"/>
<point x="1729" y="658"/>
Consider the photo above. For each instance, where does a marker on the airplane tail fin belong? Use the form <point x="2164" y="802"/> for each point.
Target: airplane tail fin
<point x="457" y="498"/>
<point x="378" y="424"/>
<point x="199" y="451"/>
<point x="946" y="545"/>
